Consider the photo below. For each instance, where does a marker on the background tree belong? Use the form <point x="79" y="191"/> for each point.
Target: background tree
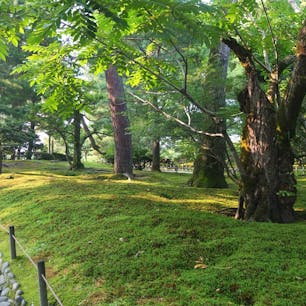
<point x="16" y="103"/>
<point x="209" y="164"/>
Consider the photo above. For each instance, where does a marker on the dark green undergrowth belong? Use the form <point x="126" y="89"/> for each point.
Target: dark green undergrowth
<point x="109" y="241"/>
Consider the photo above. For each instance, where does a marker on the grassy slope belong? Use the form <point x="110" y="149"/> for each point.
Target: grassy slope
<point x="116" y="242"/>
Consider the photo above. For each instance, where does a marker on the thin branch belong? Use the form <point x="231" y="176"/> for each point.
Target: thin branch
<point x="256" y="60"/>
<point x="274" y="41"/>
<point x="180" y="122"/>
<point x="274" y="82"/>
<point x="234" y="153"/>
<point x="230" y="168"/>
<point x="184" y="59"/>
<point x="187" y="114"/>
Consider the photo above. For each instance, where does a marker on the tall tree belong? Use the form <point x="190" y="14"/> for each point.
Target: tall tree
<point x="268" y="185"/>
<point x="156" y="155"/>
<point x="77" y="145"/>
<point x="123" y="162"/>
<point x="210" y="162"/>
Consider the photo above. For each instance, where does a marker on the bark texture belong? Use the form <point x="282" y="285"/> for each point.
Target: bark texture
<point x="209" y="164"/>
<point x="123" y="159"/>
<point x="268" y="189"/>
<point x="156" y="156"/>
<point x="77" y="144"/>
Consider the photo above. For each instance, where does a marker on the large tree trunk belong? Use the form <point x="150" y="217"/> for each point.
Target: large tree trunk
<point x="123" y="159"/>
<point x="209" y="164"/>
<point x="268" y="189"/>
<point x="208" y="169"/>
<point x="287" y="120"/>
<point x="77" y="146"/>
<point x="156" y="156"/>
<point x="259" y="154"/>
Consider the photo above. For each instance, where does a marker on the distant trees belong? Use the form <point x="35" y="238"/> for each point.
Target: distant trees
<point x="17" y="127"/>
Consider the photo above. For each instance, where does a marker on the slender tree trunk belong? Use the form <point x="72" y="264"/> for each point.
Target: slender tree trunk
<point x="77" y="146"/>
<point x="1" y="158"/>
<point x="209" y="164"/>
<point x="123" y="159"/>
<point x="67" y="151"/>
<point x="19" y="153"/>
<point x="156" y="156"/>
<point x="268" y="189"/>
<point x="31" y="142"/>
<point x="49" y="144"/>
<point x="13" y="155"/>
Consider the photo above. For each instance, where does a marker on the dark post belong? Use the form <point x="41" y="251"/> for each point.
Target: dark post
<point x="12" y="242"/>
<point x="41" y="283"/>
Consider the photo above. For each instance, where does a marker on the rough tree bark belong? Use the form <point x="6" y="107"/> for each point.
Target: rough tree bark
<point x="77" y="146"/>
<point x="268" y="189"/>
<point x="156" y="156"/>
<point x="209" y="164"/>
<point x="123" y="159"/>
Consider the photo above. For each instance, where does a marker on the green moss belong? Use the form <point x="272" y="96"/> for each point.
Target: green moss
<point x="120" y="242"/>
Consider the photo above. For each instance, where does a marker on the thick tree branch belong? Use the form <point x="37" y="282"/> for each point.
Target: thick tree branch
<point x="244" y="55"/>
<point x="90" y="136"/>
<point x="296" y="90"/>
<point x="273" y="91"/>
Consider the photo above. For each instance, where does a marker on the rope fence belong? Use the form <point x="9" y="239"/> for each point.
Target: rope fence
<point x="43" y="284"/>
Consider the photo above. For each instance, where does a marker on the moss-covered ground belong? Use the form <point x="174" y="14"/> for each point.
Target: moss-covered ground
<point x="109" y="241"/>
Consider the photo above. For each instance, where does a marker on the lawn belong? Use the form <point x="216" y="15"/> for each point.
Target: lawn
<point x="150" y="241"/>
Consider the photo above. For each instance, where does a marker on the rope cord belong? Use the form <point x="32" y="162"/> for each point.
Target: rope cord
<point x="44" y="278"/>
<point x="3" y="228"/>
<point x="24" y="252"/>
<point x="52" y="291"/>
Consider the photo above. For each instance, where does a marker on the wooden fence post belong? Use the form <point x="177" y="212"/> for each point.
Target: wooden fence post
<point x="12" y="242"/>
<point x="41" y="283"/>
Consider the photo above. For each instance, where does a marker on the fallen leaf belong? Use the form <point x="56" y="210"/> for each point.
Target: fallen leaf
<point x="200" y="266"/>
